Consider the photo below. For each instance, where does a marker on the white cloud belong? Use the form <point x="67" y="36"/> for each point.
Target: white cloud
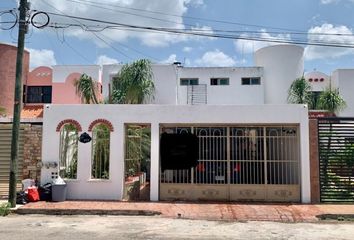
<point x="187" y="49"/>
<point x="107" y="11"/>
<point x="319" y="52"/>
<point x="329" y="1"/>
<point x="195" y="3"/>
<point x="171" y="59"/>
<point x="249" y="46"/>
<point x="215" y="58"/>
<point x="103" y="59"/>
<point x="41" y="57"/>
<point x="325" y="2"/>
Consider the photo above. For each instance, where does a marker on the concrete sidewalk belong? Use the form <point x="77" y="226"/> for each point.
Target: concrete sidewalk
<point x="200" y="210"/>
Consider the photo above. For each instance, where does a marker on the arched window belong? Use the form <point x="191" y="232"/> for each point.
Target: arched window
<point x="100" y="151"/>
<point x="68" y="151"/>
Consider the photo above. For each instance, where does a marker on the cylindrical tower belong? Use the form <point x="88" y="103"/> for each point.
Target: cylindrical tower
<point x="8" y="55"/>
<point x="282" y="65"/>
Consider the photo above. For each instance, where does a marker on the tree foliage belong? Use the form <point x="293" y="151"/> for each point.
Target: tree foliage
<point x="133" y="84"/>
<point x="86" y="89"/>
<point x="300" y="92"/>
<point x="331" y="100"/>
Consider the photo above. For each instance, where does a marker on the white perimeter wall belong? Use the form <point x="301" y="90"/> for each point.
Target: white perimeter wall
<point x="86" y="188"/>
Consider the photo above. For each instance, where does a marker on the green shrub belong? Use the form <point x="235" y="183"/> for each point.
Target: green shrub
<point x="4" y="209"/>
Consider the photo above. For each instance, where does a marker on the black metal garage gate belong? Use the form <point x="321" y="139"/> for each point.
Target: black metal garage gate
<point x="336" y="157"/>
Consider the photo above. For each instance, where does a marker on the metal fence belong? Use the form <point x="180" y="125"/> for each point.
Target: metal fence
<point x="240" y="155"/>
<point x="336" y="157"/>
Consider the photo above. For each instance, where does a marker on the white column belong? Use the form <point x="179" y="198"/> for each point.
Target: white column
<point x="305" y="159"/>
<point x="155" y="162"/>
<point x="117" y="149"/>
<point x="84" y="160"/>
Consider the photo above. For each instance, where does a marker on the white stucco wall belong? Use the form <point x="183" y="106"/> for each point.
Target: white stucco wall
<point x="344" y="79"/>
<point x="282" y="65"/>
<point x="164" y="80"/>
<point x="318" y="86"/>
<point x="118" y="115"/>
<point x="61" y="72"/>
<point x="234" y="93"/>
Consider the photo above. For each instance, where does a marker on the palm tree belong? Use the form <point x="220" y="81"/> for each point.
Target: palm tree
<point x="331" y="100"/>
<point x="133" y="84"/>
<point x="87" y="88"/>
<point x="300" y="92"/>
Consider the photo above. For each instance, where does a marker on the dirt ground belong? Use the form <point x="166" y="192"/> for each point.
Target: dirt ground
<point x="40" y="227"/>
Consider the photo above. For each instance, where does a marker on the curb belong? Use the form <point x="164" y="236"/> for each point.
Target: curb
<point x="23" y="211"/>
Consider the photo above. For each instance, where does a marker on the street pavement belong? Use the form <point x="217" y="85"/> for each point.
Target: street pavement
<point x="78" y="227"/>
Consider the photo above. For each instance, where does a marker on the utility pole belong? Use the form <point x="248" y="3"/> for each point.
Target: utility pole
<point x="17" y="102"/>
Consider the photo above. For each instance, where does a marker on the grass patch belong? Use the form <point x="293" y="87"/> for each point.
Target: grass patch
<point x="336" y="217"/>
<point x="4" y="209"/>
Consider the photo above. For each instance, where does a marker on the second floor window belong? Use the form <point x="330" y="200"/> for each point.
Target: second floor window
<point x="251" y="81"/>
<point x="38" y="94"/>
<point x="219" y="81"/>
<point x="189" y="81"/>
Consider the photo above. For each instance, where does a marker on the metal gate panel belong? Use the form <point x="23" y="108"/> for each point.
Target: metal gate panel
<point x="235" y="163"/>
<point x="5" y="153"/>
<point x="336" y="159"/>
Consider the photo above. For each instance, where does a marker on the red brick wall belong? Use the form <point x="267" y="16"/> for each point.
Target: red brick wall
<point x="8" y="55"/>
<point x="32" y="152"/>
<point x="314" y="162"/>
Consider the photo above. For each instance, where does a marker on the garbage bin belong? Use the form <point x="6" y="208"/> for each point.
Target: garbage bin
<point x="59" y="192"/>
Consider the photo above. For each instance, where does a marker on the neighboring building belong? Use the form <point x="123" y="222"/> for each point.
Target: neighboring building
<point x="8" y="55"/>
<point x="344" y="80"/>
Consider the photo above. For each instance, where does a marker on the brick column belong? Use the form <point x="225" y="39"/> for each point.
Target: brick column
<point x="314" y="161"/>
<point x="32" y="152"/>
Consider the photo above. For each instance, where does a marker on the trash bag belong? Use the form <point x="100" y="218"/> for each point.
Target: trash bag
<point x="32" y="194"/>
<point x="21" y="198"/>
<point x="45" y="192"/>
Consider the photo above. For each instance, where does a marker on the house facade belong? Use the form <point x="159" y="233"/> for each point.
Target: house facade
<point x="245" y="153"/>
<point x="252" y="145"/>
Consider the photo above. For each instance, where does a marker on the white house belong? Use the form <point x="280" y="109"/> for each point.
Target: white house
<point x="246" y="152"/>
<point x="252" y="145"/>
<point x="266" y="83"/>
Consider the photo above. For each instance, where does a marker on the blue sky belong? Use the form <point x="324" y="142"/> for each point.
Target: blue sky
<point x="271" y="19"/>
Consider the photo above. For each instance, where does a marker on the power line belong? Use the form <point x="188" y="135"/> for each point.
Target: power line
<point x="186" y="32"/>
<point x="108" y="44"/>
<point x="114" y="48"/>
<point x="130" y="13"/>
<point x="185" y="16"/>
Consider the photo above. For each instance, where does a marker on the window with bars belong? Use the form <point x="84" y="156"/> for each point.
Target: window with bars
<point x="38" y="94"/>
<point x="100" y="151"/>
